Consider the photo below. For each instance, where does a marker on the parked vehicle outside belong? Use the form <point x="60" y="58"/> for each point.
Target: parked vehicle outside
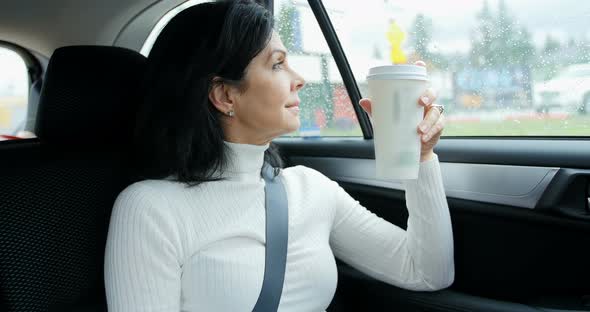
<point x="569" y="90"/>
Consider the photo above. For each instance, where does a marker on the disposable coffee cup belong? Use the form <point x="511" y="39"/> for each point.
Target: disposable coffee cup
<point x="394" y="91"/>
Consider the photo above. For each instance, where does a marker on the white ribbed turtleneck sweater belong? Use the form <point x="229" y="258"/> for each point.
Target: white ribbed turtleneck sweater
<point x="173" y="248"/>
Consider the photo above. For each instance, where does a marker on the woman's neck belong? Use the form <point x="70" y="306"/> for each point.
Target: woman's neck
<point x="244" y="161"/>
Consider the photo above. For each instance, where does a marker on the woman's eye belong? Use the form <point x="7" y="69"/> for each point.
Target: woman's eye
<point x="278" y="65"/>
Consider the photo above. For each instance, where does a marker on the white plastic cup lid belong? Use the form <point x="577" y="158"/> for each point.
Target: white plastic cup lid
<point x="403" y="71"/>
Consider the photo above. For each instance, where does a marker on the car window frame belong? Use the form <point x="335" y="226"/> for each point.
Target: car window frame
<point x="327" y="28"/>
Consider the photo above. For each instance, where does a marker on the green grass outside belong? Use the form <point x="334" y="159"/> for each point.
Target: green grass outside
<point x="573" y="126"/>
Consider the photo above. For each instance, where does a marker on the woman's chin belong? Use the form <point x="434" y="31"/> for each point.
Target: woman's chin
<point x="291" y="127"/>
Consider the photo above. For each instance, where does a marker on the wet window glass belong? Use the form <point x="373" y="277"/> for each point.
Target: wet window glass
<point x="502" y="68"/>
<point x="326" y="109"/>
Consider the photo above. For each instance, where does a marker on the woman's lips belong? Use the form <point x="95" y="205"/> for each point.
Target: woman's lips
<point x="294" y="108"/>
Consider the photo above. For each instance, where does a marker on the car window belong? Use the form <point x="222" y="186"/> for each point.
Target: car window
<point x="502" y="68"/>
<point x="325" y="109"/>
<point x="14" y="91"/>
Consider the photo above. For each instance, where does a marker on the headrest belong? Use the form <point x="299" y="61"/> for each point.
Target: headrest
<point x="90" y="95"/>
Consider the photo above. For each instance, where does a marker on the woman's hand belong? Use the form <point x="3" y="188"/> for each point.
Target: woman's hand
<point x="431" y="127"/>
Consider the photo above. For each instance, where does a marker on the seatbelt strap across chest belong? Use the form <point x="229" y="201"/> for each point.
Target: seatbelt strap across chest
<point x="277" y="234"/>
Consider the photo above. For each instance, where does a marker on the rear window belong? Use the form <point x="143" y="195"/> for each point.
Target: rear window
<point x="14" y="90"/>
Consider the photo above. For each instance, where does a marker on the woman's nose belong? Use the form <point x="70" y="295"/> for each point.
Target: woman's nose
<point x="298" y="82"/>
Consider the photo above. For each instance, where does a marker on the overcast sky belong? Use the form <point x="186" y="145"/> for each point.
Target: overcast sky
<point x="453" y="19"/>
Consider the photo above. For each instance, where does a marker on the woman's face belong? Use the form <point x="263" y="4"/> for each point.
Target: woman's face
<point x="268" y="105"/>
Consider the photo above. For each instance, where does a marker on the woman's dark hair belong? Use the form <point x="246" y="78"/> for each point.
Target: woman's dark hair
<point x="178" y="131"/>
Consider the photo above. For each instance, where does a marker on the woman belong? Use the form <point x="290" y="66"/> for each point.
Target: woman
<point x="191" y="235"/>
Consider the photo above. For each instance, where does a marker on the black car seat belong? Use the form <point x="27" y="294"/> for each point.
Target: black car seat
<point x="57" y="191"/>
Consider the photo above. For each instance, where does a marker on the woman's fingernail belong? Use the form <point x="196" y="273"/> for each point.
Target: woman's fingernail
<point x="425" y="100"/>
<point x="424" y="128"/>
<point x="426" y="138"/>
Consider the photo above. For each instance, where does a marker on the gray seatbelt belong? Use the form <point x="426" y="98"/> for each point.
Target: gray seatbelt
<point x="277" y="234"/>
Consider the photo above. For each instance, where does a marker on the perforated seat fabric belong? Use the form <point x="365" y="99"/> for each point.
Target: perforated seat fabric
<point x="57" y="192"/>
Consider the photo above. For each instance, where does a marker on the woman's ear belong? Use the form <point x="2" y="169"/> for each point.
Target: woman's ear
<point x="220" y="97"/>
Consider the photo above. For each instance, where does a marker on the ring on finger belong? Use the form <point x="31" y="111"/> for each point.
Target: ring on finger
<point x="441" y="108"/>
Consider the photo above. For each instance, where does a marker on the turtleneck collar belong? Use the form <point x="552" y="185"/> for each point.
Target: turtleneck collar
<point x="244" y="161"/>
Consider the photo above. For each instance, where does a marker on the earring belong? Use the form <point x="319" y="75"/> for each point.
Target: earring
<point x="230" y="113"/>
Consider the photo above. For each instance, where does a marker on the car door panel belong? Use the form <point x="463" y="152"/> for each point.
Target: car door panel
<point x="518" y="186"/>
<point x="519" y="231"/>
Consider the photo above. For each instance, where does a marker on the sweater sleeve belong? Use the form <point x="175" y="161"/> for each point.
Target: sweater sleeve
<point x="420" y="258"/>
<point x="142" y="270"/>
